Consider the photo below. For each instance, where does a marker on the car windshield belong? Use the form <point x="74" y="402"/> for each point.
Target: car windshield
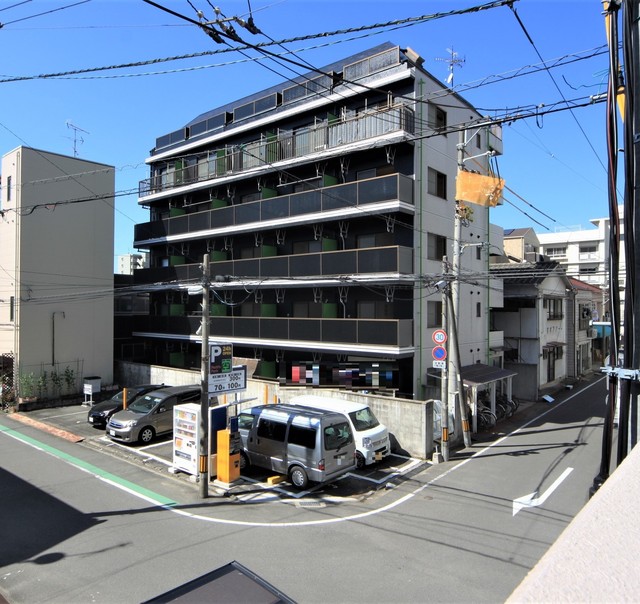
<point x="144" y="404"/>
<point x="364" y="419"/>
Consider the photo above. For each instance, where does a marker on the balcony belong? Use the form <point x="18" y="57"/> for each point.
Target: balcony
<point x="285" y="145"/>
<point x="276" y="212"/>
<point x="392" y="259"/>
<point x="280" y="331"/>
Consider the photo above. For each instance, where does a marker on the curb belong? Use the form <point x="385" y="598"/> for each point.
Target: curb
<point x="74" y="438"/>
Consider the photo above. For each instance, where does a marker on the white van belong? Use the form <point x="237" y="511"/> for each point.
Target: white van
<point x="372" y="437"/>
<point x="303" y="444"/>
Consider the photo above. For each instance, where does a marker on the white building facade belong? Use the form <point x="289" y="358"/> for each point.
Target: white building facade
<point x="56" y="282"/>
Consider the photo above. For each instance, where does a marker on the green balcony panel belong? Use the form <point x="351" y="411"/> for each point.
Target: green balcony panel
<point x="176" y="260"/>
<point x="176" y="212"/>
<point x="218" y="310"/>
<point x="329" y="245"/>
<point x="268" y="250"/>
<point x="176" y="310"/>
<point x="329" y="310"/>
<point x="218" y="203"/>
<point x="268" y="310"/>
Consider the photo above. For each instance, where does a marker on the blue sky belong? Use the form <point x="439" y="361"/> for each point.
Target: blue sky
<point x="553" y="165"/>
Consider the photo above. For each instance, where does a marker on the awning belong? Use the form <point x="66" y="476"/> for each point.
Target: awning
<point x="478" y="374"/>
<point x="554" y="344"/>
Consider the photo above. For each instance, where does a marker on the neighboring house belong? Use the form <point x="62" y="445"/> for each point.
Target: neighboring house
<point x="326" y="205"/>
<point x="536" y="322"/>
<point x="589" y="345"/>
<point x="521" y="245"/>
<point x="56" y="282"/>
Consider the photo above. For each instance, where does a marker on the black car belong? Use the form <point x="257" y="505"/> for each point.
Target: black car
<point x="100" y="413"/>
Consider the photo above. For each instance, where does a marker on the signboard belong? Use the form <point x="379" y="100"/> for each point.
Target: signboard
<point x="439" y="353"/>
<point x="439" y="336"/>
<point x="231" y="381"/>
<point x="220" y="358"/>
<point x="439" y="364"/>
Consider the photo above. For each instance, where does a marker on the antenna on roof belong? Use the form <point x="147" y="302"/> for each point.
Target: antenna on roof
<point x="76" y="129"/>
<point x="453" y="61"/>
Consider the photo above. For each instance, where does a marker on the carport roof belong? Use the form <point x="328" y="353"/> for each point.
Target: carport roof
<point x="477" y="374"/>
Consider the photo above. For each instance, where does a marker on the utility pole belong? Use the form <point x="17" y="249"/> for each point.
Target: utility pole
<point x="444" y="384"/>
<point x="204" y="395"/>
<point x="454" y="298"/>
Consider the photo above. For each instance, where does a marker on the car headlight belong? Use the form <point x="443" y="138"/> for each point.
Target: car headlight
<point x="130" y="423"/>
<point x="366" y="442"/>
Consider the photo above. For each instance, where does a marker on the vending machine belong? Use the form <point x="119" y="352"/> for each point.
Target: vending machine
<point x="186" y="438"/>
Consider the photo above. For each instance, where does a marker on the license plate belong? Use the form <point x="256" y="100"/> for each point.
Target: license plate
<point x="112" y="432"/>
<point x="378" y="456"/>
<point x="91" y="420"/>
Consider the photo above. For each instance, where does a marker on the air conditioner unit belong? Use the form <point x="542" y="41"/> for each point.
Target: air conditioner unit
<point x="592" y="333"/>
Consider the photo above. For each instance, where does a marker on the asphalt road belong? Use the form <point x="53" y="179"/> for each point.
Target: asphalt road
<point x="81" y="523"/>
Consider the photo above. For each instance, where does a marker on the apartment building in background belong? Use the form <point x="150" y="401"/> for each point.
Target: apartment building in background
<point x="56" y="282"/>
<point x="127" y="263"/>
<point x="325" y="205"/>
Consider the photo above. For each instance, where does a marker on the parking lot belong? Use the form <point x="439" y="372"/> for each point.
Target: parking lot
<point x="253" y="485"/>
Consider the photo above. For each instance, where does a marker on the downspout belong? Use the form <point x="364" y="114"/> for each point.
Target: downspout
<point x="419" y="380"/>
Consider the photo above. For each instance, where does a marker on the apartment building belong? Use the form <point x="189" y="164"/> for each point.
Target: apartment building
<point x="56" y="282"/>
<point x="584" y="253"/>
<point x="325" y="205"/>
<point x="127" y="263"/>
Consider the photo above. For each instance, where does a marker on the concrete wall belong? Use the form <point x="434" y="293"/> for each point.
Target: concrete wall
<point x="410" y="422"/>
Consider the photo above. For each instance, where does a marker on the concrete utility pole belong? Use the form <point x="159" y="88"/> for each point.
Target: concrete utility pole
<point x="455" y="363"/>
<point x="444" y="384"/>
<point x="204" y="396"/>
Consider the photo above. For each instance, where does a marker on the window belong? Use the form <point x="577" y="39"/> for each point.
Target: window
<point x="479" y="253"/>
<point x="305" y="437"/>
<point x="436" y="246"/>
<point x="12" y="308"/>
<point x="554" y="308"/>
<point x="437" y="118"/>
<point x="437" y="184"/>
<point x="434" y="314"/>
<point x="245" y="421"/>
<point x="336" y="436"/>
<point x="272" y="430"/>
<point x="556" y="252"/>
<point x="478" y="309"/>
<point x="8" y="188"/>
<point x="478" y="141"/>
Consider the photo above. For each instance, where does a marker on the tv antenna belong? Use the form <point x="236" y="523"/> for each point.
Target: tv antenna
<point x="454" y="61"/>
<point x="76" y="139"/>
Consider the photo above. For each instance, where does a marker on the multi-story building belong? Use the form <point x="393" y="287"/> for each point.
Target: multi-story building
<point x="584" y="253"/>
<point x="325" y="205"/>
<point x="127" y="263"/>
<point x="56" y="282"/>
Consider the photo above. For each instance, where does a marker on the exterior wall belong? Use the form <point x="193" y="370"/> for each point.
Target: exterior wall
<point x="410" y="423"/>
<point x="63" y="261"/>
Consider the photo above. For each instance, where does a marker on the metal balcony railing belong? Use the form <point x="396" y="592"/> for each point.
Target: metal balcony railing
<point x="350" y="196"/>
<point x="392" y="259"/>
<point x="361" y="332"/>
<point x="280" y="146"/>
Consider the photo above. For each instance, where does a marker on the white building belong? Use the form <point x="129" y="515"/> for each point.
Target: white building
<point x="56" y="282"/>
<point x="127" y="263"/>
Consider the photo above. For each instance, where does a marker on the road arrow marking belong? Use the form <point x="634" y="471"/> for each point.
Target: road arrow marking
<point x="532" y="501"/>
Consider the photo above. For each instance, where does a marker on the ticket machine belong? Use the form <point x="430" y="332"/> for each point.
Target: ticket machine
<point x="228" y="456"/>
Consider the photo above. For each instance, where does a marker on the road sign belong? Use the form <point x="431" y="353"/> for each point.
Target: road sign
<point x="439" y="353"/>
<point x="231" y="381"/>
<point x="220" y="358"/>
<point x="439" y="364"/>
<point x="439" y="336"/>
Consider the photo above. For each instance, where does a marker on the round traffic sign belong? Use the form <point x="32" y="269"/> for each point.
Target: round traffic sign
<point x="439" y="353"/>
<point x="439" y="336"/>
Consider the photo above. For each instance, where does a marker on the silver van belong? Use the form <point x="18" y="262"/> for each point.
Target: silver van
<point x="371" y="437"/>
<point x="303" y="444"/>
<point x="150" y="415"/>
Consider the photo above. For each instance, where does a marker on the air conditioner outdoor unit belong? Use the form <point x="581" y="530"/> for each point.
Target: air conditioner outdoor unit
<point x="592" y="333"/>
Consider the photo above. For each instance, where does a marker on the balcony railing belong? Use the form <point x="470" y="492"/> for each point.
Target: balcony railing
<point x="392" y="259"/>
<point x="348" y="197"/>
<point x="361" y="332"/>
<point x="283" y="145"/>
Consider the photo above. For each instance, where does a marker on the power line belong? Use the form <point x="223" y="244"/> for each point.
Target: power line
<point x="53" y="10"/>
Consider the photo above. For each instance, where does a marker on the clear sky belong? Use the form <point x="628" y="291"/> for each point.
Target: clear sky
<point x="553" y="165"/>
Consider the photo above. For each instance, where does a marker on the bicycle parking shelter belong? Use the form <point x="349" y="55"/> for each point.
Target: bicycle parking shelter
<point x="479" y="378"/>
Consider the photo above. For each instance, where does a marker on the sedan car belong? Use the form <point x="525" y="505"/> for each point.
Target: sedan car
<point x="100" y="413"/>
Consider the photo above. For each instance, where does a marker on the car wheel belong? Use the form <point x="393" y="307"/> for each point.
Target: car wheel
<point x="359" y="460"/>
<point x="298" y="477"/>
<point x="244" y="461"/>
<point x="146" y="435"/>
